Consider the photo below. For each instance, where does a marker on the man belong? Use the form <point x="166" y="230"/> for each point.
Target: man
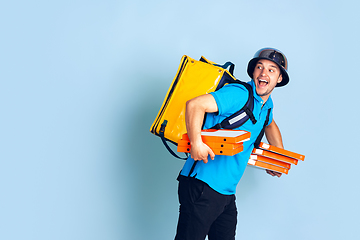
<point x="207" y="188"/>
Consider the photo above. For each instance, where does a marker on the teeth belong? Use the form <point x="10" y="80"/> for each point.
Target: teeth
<point x="262" y="80"/>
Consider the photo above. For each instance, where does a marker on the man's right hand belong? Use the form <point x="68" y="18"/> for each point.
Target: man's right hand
<point x="200" y="152"/>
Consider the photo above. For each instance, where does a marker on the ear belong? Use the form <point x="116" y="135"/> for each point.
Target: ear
<point x="279" y="79"/>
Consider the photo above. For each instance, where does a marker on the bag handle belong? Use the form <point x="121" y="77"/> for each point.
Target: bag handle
<point x="163" y="139"/>
<point x="226" y="65"/>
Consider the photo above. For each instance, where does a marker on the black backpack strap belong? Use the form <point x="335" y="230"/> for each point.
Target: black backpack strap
<point x="261" y="135"/>
<point x="163" y="139"/>
<point x="240" y="117"/>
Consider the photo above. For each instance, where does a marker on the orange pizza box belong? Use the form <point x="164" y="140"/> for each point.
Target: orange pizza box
<point x="281" y="151"/>
<point x="222" y="135"/>
<point x="217" y="151"/>
<point x="268" y="166"/>
<point x="270" y="161"/>
<point x="186" y="143"/>
<point x="274" y="156"/>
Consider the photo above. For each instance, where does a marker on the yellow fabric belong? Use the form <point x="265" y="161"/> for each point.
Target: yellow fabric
<point x="194" y="78"/>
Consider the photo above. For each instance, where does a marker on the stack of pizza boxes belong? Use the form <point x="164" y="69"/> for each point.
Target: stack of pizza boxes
<point x="230" y="142"/>
<point x="222" y="142"/>
<point x="274" y="158"/>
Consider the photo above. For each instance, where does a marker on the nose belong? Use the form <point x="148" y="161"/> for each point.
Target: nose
<point x="262" y="73"/>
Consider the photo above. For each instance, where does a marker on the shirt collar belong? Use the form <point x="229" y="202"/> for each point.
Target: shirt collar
<point x="268" y="103"/>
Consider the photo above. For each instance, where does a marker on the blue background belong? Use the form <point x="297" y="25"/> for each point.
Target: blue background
<point x="82" y="81"/>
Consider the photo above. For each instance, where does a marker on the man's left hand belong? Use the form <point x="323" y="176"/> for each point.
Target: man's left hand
<point x="272" y="173"/>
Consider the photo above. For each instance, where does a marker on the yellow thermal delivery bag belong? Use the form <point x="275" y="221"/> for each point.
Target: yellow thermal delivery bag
<point x="193" y="78"/>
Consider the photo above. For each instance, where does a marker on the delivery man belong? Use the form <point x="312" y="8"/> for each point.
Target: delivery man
<point x="207" y="188"/>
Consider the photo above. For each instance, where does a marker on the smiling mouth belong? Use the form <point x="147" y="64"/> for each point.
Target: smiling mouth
<point x="263" y="83"/>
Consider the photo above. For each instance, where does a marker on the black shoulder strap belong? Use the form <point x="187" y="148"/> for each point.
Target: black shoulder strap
<point x="261" y="135"/>
<point x="240" y="117"/>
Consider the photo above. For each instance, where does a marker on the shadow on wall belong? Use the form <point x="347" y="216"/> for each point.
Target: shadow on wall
<point x="152" y="209"/>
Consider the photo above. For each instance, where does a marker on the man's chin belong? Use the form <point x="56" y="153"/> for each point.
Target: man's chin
<point x="261" y="93"/>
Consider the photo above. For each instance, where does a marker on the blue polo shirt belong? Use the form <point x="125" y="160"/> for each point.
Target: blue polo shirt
<point x="224" y="172"/>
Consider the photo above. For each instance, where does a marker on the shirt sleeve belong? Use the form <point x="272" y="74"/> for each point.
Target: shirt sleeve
<point x="230" y="98"/>
<point x="270" y="117"/>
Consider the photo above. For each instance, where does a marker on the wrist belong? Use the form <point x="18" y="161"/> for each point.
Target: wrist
<point x="196" y="142"/>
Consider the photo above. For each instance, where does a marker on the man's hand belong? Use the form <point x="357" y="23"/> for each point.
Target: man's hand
<point x="273" y="173"/>
<point x="200" y="152"/>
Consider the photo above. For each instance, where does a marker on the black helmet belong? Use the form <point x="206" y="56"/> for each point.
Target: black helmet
<point x="274" y="55"/>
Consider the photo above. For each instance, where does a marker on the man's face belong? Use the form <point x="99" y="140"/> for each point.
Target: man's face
<point x="266" y="75"/>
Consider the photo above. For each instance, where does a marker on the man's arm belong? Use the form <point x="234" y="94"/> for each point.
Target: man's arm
<point x="194" y="117"/>
<point x="273" y="135"/>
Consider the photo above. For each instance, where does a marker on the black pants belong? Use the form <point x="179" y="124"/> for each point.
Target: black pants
<point x="203" y="211"/>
